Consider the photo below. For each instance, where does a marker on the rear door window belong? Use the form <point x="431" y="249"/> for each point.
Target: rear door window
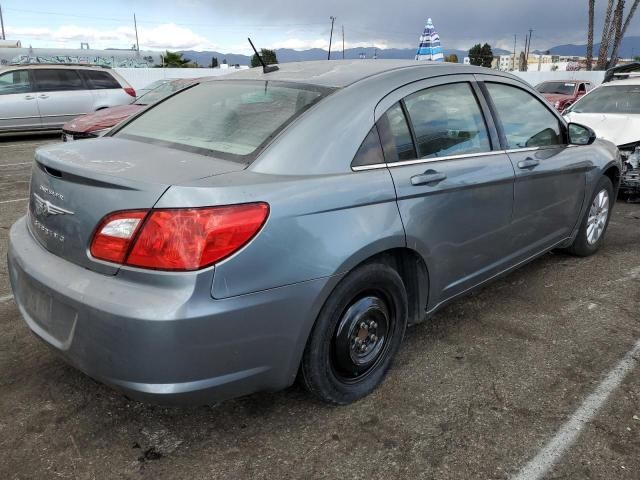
<point x="525" y="121"/>
<point x="447" y="120"/>
<point x="97" y="80"/>
<point x="395" y="136"/>
<point x="16" y="81"/>
<point x="224" y="118"/>
<point x="58" y="79"/>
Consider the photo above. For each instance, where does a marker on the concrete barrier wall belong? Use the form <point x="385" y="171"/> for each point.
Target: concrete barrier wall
<point x="535" y="78"/>
<point x="141" y="77"/>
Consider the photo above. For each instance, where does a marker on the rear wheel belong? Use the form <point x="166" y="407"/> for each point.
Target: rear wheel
<point x="356" y="335"/>
<point x="595" y="221"/>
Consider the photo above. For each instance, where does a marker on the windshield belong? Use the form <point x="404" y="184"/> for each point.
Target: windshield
<point x="228" y="119"/>
<point x="163" y="90"/>
<point x="610" y="99"/>
<point x="558" y="88"/>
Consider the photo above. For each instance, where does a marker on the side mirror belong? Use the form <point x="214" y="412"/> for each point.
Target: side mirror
<point x="581" y="135"/>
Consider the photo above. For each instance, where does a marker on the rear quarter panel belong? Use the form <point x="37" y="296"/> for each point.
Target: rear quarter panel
<point x="318" y="226"/>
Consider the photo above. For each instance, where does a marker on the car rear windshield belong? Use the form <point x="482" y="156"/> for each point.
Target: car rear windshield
<point x="559" y="88"/>
<point x="227" y="119"/>
<point x="611" y="99"/>
<point x="162" y="90"/>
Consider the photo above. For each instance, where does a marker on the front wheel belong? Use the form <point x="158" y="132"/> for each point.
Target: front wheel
<point x="595" y="221"/>
<point x="356" y="335"/>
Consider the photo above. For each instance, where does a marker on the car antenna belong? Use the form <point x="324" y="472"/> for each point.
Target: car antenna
<point x="265" y="68"/>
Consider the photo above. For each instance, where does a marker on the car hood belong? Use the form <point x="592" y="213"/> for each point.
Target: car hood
<point x="555" y="97"/>
<point x="617" y="128"/>
<point x="101" y="119"/>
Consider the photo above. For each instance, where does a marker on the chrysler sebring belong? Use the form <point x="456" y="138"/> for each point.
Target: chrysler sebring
<point x="261" y="227"/>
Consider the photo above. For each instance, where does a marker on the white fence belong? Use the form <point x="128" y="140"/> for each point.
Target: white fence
<point x="141" y="77"/>
<point x="535" y="78"/>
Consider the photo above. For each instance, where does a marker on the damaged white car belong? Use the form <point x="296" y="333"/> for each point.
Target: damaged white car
<point x="613" y="111"/>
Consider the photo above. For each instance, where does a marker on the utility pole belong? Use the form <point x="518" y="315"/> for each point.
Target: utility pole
<point x="2" y="23"/>
<point x="333" y="19"/>
<point x="515" y="39"/>
<point x="343" y="42"/>
<point x="527" y="51"/>
<point x="135" y="26"/>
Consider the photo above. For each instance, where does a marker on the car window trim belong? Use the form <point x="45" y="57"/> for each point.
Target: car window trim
<point x="404" y="163"/>
<point x="498" y="120"/>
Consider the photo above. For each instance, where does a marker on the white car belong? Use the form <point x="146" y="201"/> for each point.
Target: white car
<point x="613" y="111"/>
<point x="44" y="97"/>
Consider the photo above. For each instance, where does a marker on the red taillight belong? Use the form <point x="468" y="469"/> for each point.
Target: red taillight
<point x="183" y="239"/>
<point x="130" y="91"/>
<point x="114" y="234"/>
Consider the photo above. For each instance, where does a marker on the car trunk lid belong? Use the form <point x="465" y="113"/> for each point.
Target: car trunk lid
<point x="73" y="186"/>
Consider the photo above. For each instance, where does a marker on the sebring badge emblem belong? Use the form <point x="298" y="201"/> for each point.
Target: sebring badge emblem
<point x="46" y="208"/>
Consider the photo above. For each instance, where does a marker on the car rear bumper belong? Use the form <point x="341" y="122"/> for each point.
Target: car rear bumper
<point x="169" y="343"/>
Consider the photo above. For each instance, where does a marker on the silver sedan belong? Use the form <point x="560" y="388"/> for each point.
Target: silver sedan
<point x="266" y="226"/>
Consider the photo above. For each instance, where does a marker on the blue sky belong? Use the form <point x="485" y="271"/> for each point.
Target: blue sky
<point x="223" y="25"/>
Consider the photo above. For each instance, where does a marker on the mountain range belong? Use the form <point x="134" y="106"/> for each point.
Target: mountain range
<point x="630" y="47"/>
<point x="288" y="55"/>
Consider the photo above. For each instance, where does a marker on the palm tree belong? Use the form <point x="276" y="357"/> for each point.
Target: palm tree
<point x="623" y="30"/>
<point x="174" y="60"/>
<point x="592" y="8"/>
<point x="606" y="32"/>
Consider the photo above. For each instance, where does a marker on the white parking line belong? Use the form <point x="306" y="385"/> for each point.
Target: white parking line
<point x="544" y="461"/>
<point x="6" y="298"/>
<point x="14" y="164"/>
<point x="14" y="200"/>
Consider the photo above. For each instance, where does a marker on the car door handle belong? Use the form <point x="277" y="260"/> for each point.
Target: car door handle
<point x="427" y="178"/>
<point x="528" y="163"/>
<point x="43" y="96"/>
<point x="29" y="97"/>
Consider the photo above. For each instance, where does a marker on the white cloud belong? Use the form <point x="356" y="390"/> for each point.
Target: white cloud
<point x="160" y="37"/>
<point x="300" y="44"/>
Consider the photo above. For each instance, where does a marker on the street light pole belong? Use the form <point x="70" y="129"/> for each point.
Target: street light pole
<point x="333" y="19"/>
<point x="135" y="26"/>
<point x="343" y="42"/>
<point x="2" y="23"/>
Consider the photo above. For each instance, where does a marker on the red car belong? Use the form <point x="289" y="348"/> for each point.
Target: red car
<point x="96" y="124"/>
<point x="563" y="93"/>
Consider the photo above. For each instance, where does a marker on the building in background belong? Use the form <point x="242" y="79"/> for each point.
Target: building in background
<point x="114" y="58"/>
<point x="429" y="48"/>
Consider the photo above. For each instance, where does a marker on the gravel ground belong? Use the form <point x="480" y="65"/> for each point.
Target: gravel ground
<point x="474" y="393"/>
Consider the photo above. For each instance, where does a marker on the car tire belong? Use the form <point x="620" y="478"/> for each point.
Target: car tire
<point x="356" y="335"/>
<point x="595" y="221"/>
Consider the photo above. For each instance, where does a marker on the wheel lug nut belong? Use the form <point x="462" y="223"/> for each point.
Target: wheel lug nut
<point x="363" y="325"/>
<point x="374" y="325"/>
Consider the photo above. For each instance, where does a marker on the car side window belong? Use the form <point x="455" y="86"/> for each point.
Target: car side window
<point x="525" y="121"/>
<point x="582" y="88"/>
<point x="16" y="81"/>
<point x="447" y="120"/>
<point x="395" y="136"/>
<point x="52" y="80"/>
<point x="100" y="80"/>
<point x="370" y="152"/>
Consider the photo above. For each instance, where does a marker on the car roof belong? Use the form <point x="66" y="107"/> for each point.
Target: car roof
<point x="53" y="65"/>
<point x="341" y="73"/>
<point x="625" y="81"/>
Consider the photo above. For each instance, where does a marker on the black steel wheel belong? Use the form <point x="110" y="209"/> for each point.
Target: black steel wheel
<point x="357" y="333"/>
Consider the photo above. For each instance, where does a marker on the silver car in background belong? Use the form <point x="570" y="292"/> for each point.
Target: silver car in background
<point x="249" y="230"/>
<point x="44" y="97"/>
